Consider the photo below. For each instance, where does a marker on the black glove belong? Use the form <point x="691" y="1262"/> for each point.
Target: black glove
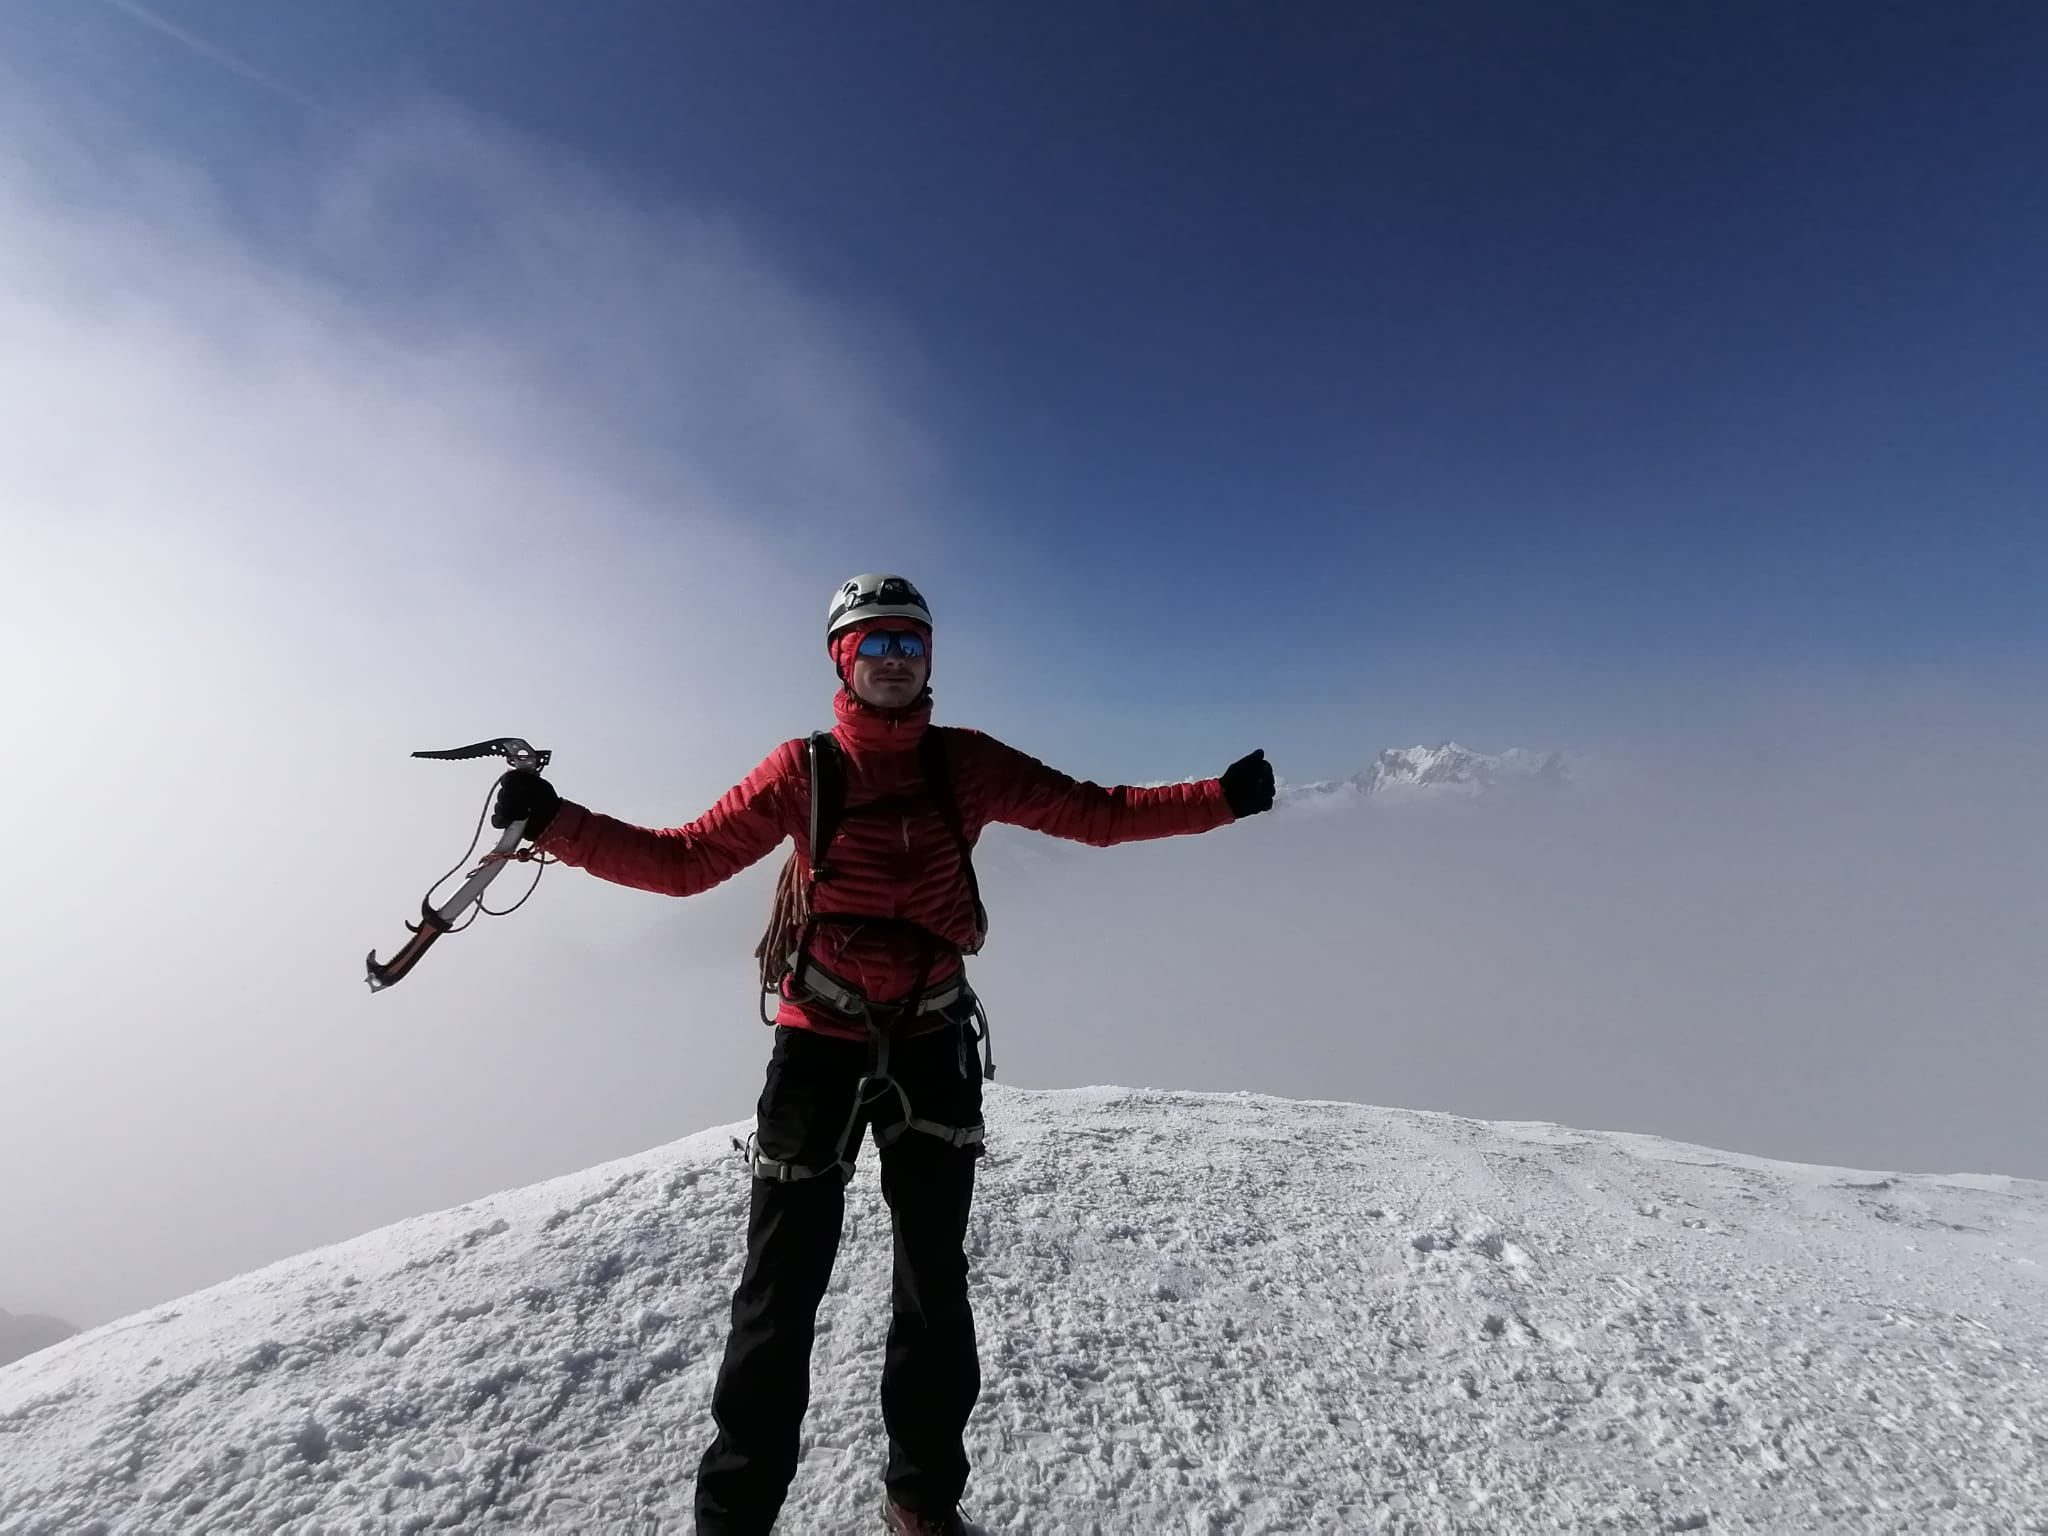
<point x="524" y="795"/>
<point x="1248" y="785"/>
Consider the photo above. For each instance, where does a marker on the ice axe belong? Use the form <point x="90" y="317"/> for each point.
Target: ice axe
<point x="435" y="921"/>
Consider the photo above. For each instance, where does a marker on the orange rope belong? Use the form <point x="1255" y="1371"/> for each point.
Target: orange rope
<point x="792" y="908"/>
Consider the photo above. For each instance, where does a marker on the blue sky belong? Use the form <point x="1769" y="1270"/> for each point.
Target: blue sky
<point x="1663" y="382"/>
<point x="1479" y="368"/>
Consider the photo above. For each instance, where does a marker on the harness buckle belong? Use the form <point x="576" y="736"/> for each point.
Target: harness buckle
<point x="777" y="1171"/>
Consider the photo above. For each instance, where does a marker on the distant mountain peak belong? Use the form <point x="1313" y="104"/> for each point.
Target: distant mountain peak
<point x="1448" y="768"/>
<point x="1451" y="766"/>
<point x="22" y="1335"/>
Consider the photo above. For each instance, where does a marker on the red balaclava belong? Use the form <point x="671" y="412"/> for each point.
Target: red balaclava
<point x="847" y="642"/>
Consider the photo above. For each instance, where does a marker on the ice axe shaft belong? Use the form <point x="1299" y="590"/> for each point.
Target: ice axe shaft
<point x="435" y="921"/>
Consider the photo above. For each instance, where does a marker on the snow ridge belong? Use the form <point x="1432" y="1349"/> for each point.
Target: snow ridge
<point x="1216" y="1313"/>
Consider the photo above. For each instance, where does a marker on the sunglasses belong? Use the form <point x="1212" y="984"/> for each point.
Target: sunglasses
<point x="891" y="642"/>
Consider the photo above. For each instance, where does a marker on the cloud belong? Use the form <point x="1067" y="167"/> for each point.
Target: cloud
<point x="466" y="442"/>
<point x="1808" y="926"/>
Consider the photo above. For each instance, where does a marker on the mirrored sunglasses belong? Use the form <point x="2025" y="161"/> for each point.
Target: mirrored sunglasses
<point x="891" y="642"/>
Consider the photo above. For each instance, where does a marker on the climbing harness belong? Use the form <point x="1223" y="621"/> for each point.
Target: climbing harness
<point x="807" y="979"/>
<point x="874" y="1087"/>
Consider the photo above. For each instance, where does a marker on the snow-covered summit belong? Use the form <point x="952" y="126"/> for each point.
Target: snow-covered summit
<point x="1450" y="766"/>
<point x="1197" y="1312"/>
<point x="1444" y="769"/>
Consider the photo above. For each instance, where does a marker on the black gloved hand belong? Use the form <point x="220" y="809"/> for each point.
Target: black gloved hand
<point x="524" y="795"/>
<point x="1248" y="785"/>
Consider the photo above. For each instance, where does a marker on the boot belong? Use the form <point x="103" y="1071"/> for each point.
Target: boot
<point x="900" y="1521"/>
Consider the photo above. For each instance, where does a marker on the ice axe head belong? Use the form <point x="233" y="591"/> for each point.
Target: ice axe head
<point x="515" y="750"/>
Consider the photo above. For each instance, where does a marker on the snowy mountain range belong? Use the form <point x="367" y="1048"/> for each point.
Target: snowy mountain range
<point x="23" y="1334"/>
<point x="1224" y="1313"/>
<point x="1444" y="769"/>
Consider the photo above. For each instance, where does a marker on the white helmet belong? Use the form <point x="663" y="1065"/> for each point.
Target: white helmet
<point x="874" y="596"/>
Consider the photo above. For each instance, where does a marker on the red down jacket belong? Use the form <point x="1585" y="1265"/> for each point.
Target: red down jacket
<point x="905" y="865"/>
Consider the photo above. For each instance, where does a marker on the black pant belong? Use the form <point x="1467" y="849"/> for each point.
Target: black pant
<point x="930" y="1373"/>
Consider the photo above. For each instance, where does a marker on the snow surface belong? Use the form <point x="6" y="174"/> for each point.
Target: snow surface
<point x="1198" y="1314"/>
